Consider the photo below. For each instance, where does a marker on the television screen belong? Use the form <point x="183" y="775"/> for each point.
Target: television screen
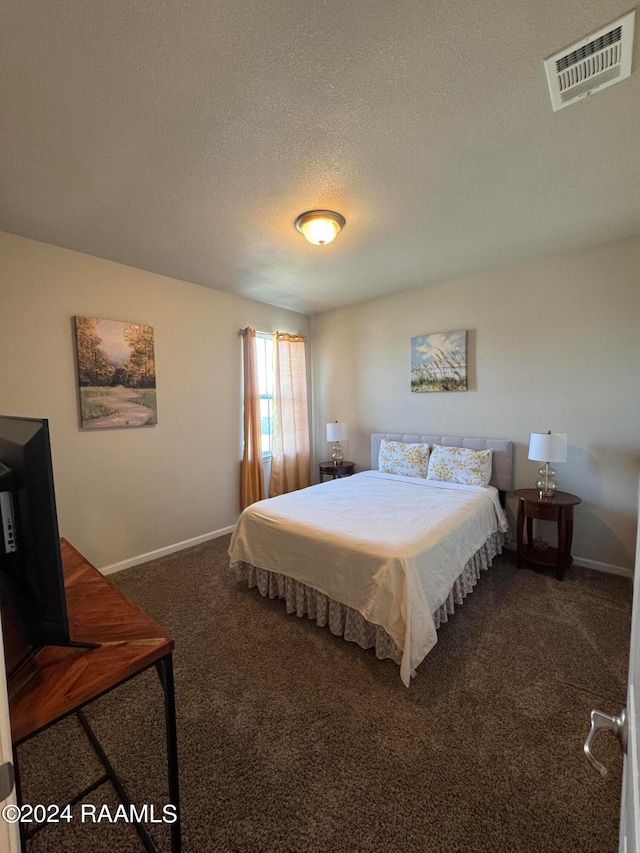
<point x="31" y="575"/>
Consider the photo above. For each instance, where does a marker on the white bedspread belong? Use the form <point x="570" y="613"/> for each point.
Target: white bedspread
<point x="388" y="546"/>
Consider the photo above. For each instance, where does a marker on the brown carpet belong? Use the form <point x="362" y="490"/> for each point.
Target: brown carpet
<point x="292" y="740"/>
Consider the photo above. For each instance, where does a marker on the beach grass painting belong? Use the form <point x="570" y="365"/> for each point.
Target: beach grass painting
<point x="439" y="362"/>
<point x="116" y="373"/>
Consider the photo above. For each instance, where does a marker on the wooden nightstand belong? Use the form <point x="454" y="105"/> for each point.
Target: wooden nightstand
<point x="558" y="508"/>
<point x="328" y="469"/>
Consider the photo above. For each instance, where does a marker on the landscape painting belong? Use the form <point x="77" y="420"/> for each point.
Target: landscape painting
<point x="116" y="373"/>
<point x="439" y="362"/>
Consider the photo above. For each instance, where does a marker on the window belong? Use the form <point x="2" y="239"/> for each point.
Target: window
<point x="264" y="346"/>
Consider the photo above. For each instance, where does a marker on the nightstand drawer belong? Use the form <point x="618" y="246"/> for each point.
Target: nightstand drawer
<point x="545" y="512"/>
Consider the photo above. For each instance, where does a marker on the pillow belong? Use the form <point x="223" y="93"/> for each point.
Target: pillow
<point x="460" y="465"/>
<point x="399" y="457"/>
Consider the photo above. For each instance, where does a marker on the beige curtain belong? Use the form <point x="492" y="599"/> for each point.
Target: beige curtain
<point x="251" y="471"/>
<point x="290" y="445"/>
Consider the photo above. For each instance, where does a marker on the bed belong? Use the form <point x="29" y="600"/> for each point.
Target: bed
<point x="381" y="558"/>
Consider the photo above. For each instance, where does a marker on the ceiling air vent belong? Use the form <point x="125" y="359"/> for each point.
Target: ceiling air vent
<point x="597" y="61"/>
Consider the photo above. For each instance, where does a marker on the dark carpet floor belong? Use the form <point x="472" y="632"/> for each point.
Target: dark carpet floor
<point x="292" y="740"/>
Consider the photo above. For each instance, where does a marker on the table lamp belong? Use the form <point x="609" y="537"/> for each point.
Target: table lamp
<point x="547" y="447"/>
<point x="337" y="432"/>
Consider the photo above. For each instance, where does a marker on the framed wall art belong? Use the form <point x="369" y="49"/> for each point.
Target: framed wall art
<point x="439" y="362"/>
<point x="116" y="373"/>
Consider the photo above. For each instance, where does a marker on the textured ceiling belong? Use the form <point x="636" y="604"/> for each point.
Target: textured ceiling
<point x="185" y="137"/>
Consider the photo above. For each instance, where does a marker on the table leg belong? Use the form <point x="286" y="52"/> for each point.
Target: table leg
<point x="562" y="547"/>
<point x="165" y="671"/>
<point x="114" y="778"/>
<point x="565" y="535"/>
<point x="569" y="536"/>
<point x="520" y="534"/>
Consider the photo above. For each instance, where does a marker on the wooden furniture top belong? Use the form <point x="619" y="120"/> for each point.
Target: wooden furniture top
<point x="557" y="498"/>
<point x="331" y="465"/>
<point x="59" y="680"/>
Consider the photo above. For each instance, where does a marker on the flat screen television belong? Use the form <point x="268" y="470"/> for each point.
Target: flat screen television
<point x="31" y="574"/>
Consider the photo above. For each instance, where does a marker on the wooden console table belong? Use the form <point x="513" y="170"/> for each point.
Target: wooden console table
<point x="58" y="681"/>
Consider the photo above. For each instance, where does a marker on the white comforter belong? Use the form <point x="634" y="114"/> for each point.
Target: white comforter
<point x="388" y="546"/>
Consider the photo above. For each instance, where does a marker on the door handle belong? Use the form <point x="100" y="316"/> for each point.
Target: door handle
<point x="600" y="722"/>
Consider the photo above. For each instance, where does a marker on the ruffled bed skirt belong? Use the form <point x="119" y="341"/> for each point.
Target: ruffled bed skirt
<point x="348" y="623"/>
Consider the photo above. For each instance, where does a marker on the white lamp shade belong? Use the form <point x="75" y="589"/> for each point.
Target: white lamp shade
<point x="548" y="447"/>
<point x="336" y="432"/>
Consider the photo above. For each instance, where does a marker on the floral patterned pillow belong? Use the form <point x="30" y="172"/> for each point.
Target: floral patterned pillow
<point x="399" y="457"/>
<point x="460" y="465"/>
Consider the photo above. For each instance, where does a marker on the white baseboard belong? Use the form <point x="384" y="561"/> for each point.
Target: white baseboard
<point x="163" y="552"/>
<point x="603" y="567"/>
<point x="214" y="534"/>
<point x="590" y="564"/>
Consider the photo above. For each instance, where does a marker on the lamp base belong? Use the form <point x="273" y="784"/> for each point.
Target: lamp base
<point x="337" y="455"/>
<point x="546" y="485"/>
<point x="545" y="494"/>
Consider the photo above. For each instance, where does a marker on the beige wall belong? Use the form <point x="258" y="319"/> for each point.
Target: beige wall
<point x="124" y="492"/>
<point x="553" y="344"/>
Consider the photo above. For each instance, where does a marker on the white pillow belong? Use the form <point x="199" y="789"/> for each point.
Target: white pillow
<point x="400" y="457"/>
<point x="460" y="465"/>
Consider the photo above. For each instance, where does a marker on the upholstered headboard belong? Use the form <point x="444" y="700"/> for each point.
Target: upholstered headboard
<point x="501" y="476"/>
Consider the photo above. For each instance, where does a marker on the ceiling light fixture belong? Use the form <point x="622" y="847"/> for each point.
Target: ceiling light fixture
<point x="320" y="226"/>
